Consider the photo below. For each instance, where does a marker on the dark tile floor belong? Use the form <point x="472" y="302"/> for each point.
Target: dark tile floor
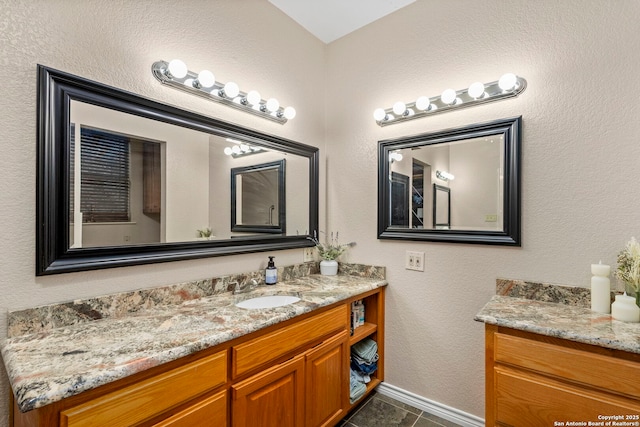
<point x="382" y="411"/>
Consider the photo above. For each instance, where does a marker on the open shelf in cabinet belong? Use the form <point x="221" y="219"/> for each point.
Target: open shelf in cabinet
<point x="373" y="328"/>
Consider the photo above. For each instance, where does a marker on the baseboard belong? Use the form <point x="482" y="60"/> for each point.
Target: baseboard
<point x="430" y="406"/>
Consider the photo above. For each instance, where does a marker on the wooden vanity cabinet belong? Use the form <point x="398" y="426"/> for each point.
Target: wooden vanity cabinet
<point x="534" y="380"/>
<point x="294" y="374"/>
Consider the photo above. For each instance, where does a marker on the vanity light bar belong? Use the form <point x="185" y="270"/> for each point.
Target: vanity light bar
<point x="176" y="75"/>
<point x="508" y="86"/>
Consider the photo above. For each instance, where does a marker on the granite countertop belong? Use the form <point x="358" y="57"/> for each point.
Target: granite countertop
<point x="570" y="322"/>
<point x="49" y="365"/>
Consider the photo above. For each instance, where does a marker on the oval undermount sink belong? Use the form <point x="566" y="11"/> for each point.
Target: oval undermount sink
<point x="269" y="301"/>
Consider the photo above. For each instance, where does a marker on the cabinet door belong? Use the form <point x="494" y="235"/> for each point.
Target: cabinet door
<point x="327" y="381"/>
<point x="274" y="397"/>
<point x="211" y="411"/>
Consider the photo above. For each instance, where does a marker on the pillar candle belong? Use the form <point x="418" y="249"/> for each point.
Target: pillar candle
<point x="625" y="309"/>
<point x="600" y="288"/>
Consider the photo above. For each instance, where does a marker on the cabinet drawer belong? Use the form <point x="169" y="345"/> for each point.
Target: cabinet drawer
<point x="150" y="397"/>
<point x="211" y="411"/>
<point x="262" y="350"/>
<point x="596" y="370"/>
<point x="526" y="399"/>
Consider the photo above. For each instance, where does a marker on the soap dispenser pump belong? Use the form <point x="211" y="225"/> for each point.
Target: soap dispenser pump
<point x="271" y="274"/>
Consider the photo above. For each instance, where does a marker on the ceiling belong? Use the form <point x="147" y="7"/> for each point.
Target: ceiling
<point x="329" y="20"/>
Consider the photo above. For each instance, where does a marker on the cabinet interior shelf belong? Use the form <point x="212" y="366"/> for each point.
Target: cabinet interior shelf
<point x="362" y="332"/>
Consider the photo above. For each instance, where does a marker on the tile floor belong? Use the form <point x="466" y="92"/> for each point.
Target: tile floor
<point x="382" y="411"/>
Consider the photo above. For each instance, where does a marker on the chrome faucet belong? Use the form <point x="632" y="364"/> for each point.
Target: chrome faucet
<point x="239" y="288"/>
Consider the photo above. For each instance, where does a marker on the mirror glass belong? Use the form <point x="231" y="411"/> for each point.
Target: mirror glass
<point x="460" y="185"/>
<point x="258" y="198"/>
<point x="145" y="182"/>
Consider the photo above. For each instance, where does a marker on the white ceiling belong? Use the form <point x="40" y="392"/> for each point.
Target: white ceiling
<point x="329" y="20"/>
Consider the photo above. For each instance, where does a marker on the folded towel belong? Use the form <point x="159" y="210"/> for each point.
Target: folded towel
<point x="357" y="388"/>
<point x="365" y="368"/>
<point x="366" y="349"/>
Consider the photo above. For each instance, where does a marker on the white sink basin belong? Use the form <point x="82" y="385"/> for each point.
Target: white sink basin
<point x="269" y="301"/>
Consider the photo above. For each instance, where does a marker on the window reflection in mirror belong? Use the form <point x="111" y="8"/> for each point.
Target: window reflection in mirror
<point x="179" y="181"/>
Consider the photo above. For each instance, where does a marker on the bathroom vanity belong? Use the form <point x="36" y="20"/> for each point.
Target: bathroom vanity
<point x="204" y="361"/>
<point x="555" y="364"/>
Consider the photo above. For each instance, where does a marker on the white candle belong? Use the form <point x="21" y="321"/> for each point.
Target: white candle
<point x="625" y="309"/>
<point x="600" y="288"/>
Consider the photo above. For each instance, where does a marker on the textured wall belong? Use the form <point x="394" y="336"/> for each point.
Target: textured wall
<point x="581" y="143"/>
<point x="115" y="42"/>
<point x="581" y="151"/>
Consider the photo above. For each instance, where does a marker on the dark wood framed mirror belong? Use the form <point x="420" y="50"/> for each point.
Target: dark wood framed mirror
<point x="123" y="180"/>
<point x="472" y="171"/>
<point x="258" y="202"/>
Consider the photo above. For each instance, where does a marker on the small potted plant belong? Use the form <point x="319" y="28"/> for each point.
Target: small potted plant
<point x="628" y="271"/>
<point x="204" y="234"/>
<point x="329" y="252"/>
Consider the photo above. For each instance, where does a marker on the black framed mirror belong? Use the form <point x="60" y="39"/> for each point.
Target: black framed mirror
<point x="258" y="198"/>
<point x="123" y="180"/>
<point x="464" y="185"/>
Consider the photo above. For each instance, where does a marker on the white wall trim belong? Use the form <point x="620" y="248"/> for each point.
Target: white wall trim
<point x="430" y="406"/>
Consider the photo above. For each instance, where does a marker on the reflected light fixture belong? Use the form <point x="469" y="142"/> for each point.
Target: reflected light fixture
<point x="176" y="74"/>
<point x="445" y="176"/>
<point x="508" y="86"/>
<point x="240" y="149"/>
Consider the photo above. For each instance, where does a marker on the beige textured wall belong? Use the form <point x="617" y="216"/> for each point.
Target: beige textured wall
<point x="115" y="42"/>
<point x="581" y="152"/>
<point x="581" y="143"/>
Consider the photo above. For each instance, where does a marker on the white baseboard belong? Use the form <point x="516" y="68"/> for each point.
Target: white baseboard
<point x="430" y="406"/>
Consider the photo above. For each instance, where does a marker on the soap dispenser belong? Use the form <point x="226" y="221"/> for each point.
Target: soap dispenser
<point x="271" y="274"/>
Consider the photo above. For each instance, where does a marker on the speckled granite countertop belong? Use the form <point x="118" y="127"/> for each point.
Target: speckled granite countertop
<point x="50" y="365"/>
<point x="568" y="318"/>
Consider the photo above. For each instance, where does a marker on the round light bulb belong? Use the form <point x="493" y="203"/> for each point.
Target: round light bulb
<point x="507" y="81"/>
<point x="228" y="151"/>
<point x="236" y="149"/>
<point x="448" y="96"/>
<point x="422" y="103"/>
<point x="231" y="90"/>
<point x="289" y="113"/>
<point x="379" y="114"/>
<point x="399" y="108"/>
<point x="177" y="69"/>
<point x="273" y="105"/>
<point x="245" y="148"/>
<point x="476" y="90"/>
<point x="253" y="97"/>
<point x="206" y="78"/>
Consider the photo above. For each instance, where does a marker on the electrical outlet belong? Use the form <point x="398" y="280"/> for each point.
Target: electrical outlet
<point x="308" y="255"/>
<point x="490" y="218"/>
<point x="414" y="261"/>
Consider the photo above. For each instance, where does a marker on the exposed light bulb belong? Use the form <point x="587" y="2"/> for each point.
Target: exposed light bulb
<point x="395" y="156"/>
<point x="507" y="81"/>
<point x="231" y="90"/>
<point x="476" y="90"/>
<point x="253" y="97"/>
<point x="177" y="69"/>
<point x="272" y="104"/>
<point x="422" y="103"/>
<point x="448" y="96"/>
<point x="206" y="78"/>
<point x="289" y="113"/>
<point x="228" y="151"/>
<point x="379" y="114"/>
<point x="245" y="148"/>
<point x="399" y="108"/>
<point x="236" y="149"/>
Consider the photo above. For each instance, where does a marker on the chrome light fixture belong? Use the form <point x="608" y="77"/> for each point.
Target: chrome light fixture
<point x="176" y="74"/>
<point x="445" y="176"/>
<point x="508" y="86"/>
